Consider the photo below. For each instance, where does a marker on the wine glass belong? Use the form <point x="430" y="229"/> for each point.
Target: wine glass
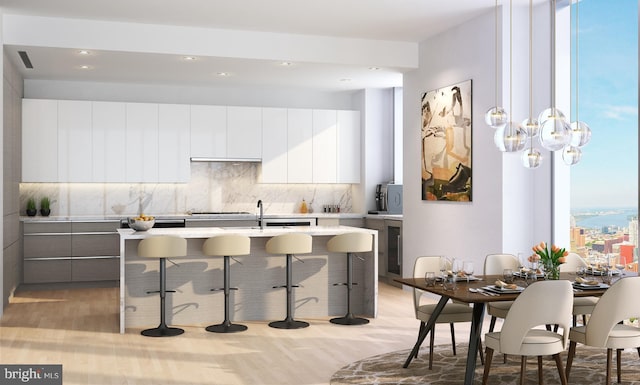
<point x="455" y="269"/>
<point x="467" y="267"/>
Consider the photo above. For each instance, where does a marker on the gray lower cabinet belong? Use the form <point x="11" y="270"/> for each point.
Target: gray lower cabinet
<point x="69" y="251"/>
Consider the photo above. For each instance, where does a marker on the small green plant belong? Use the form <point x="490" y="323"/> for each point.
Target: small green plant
<point x="31" y="204"/>
<point x="45" y="203"/>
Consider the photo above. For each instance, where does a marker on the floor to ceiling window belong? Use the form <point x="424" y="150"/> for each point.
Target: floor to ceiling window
<point x="604" y="185"/>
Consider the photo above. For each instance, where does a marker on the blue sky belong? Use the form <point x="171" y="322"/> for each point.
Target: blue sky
<point x="607" y="175"/>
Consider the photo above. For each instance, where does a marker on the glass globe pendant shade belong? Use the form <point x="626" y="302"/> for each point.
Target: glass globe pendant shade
<point x="496" y="117"/>
<point x="531" y="158"/>
<point x="510" y="138"/>
<point x="571" y="155"/>
<point x="549" y="113"/>
<point x="555" y="133"/>
<point x="580" y="134"/>
<point x="530" y="127"/>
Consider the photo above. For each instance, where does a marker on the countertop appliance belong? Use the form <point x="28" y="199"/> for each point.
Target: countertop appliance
<point x="388" y="199"/>
<point x="160" y="223"/>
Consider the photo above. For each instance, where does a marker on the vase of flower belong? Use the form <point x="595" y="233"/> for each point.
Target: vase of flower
<point x="551" y="259"/>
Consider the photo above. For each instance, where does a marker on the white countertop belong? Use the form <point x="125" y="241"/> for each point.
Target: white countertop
<point x="55" y="218"/>
<point x="206" y="232"/>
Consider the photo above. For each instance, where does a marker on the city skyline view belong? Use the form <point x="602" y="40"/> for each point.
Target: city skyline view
<point x="607" y="175"/>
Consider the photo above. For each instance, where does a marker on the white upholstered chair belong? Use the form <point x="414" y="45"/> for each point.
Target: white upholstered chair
<point x="605" y="330"/>
<point x="494" y="264"/>
<point x="541" y="303"/>
<point x="581" y="305"/>
<point x="452" y="312"/>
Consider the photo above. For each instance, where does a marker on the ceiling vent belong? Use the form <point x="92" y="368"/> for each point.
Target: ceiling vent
<point x="25" y="59"/>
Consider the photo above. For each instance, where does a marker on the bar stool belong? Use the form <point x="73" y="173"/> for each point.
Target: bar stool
<point x="162" y="247"/>
<point x="289" y="244"/>
<point x="349" y="243"/>
<point x="226" y="246"/>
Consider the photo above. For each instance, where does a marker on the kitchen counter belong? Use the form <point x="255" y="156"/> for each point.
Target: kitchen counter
<point x="194" y="276"/>
<point x="250" y="216"/>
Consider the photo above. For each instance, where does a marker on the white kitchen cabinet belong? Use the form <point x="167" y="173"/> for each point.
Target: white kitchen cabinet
<point x="142" y="143"/>
<point x="244" y="132"/>
<point x="324" y="146"/>
<point x="300" y="146"/>
<point x="39" y="140"/>
<point x="274" y="145"/>
<point x="109" y="142"/>
<point x="349" y="146"/>
<point x="173" y="143"/>
<point x="208" y="131"/>
<point x="74" y="141"/>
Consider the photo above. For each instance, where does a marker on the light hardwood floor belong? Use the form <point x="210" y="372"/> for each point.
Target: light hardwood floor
<point x="78" y="328"/>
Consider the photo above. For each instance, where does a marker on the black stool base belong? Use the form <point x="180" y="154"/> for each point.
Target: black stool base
<point x="349" y="321"/>
<point x="226" y="328"/>
<point x="162" y="332"/>
<point x="288" y="324"/>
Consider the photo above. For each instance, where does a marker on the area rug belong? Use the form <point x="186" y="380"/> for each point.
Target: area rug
<point x="386" y="369"/>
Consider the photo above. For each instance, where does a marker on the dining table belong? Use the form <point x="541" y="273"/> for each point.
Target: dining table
<point x="472" y="292"/>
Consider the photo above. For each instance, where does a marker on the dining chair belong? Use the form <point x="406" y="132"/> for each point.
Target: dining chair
<point x="494" y="264"/>
<point x="452" y="312"/>
<point x="606" y="329"/>
<point x="581" y="305"/>
<point x="523" y="333"/>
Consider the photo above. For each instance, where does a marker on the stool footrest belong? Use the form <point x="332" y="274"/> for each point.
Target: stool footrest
<point x="344" y="284"/>
<point x="158" y="291"/>
<point x="283" y="286"/>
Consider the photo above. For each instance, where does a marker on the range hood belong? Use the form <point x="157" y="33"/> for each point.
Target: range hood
<point x="228" y="160"/>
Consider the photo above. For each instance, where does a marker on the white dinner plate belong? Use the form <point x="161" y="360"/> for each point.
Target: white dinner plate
<point x="502" y="290"/>
<point x="583" y="286"/>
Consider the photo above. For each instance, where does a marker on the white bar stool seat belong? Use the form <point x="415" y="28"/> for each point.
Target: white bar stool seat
<point x="289" y="244"/>
<point x="162" y="247"/>
<point x="227" y="246"/>
<point x="350" y="243"/>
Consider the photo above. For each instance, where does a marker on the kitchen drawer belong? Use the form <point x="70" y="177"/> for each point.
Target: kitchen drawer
<point x="95" y="269"/>
<point x="47" y="270"/>
<point x="84" y="245"/>
<point x="95" y="227"/>
<point x="47" y="227"/>
<point x="47" y="245"/>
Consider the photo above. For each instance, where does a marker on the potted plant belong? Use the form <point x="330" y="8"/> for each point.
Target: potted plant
<point x="45" y="206"/>
<point x="31" y="207"/>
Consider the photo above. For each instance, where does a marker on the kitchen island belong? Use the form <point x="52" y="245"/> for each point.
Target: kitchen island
<point x="254" y="275"/>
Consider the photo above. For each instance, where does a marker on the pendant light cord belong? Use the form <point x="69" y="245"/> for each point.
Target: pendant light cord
<point x="577" y="56"/>
<point x="530" y="74"/>
<point x="496" y="50"/>
<point x="553" y="53"/>
<point x="510" y="66"/>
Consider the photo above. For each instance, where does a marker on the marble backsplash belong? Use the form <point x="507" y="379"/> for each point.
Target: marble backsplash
<point x="215" y="186"/>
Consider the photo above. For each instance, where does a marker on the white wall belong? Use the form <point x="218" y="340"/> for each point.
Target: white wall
<point x="504" y="213"/>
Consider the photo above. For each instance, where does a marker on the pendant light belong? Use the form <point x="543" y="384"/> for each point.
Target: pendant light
<point x="531" y="157"/>
<point x="555" y="132"/>
<point x="496" y="117"/>
<point x="580" y="131"/>
<point x="510" y="138"/>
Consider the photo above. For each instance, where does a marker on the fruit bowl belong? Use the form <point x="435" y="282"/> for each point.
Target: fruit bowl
<point x="141" y="223"/>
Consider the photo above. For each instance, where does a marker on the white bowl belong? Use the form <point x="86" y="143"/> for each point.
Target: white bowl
<point x="140" y="225"/>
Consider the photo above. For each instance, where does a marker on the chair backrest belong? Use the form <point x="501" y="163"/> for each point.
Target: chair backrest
<point x="616" y="304"/>
<point x="541" y="303"/>
<point x="163" y="246"/>
<point x="572" y="262"/>
<point x="494" y="264"/>
<point x="350" y="243"/>
<point x="290" y="243"/>
<point x="421" y="266"/>
<point x="229" y="245"/>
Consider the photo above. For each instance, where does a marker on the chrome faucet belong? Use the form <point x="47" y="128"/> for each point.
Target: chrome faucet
<point x="261" y="219"/>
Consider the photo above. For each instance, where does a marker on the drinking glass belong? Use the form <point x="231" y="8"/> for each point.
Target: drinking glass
<point x="607" y="276"/>
<point x="581" y="271"/>
<point x="430" y="278"/>
<point x="467" y="267"/>
<point x="507" y="275"/>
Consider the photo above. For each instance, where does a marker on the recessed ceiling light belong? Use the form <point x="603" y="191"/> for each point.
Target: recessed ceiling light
<point x="223" y="74"/>
<point x="84" y="52"/>
<point x="286" y="63"/>
<point x="189" y="58"/>
<point x="374" y="68"/>
<point x="345" y="80"/>
<point x="85" y="67"/>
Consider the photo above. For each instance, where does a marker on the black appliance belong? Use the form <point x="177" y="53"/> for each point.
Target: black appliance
<point x="388" y="199"/>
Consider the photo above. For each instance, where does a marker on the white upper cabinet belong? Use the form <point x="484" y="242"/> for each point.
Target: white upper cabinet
<point x="74" y="141"/>
<point x="142" y="143"/>
<point x="324" y="146"/>
<point x="349" y="147"/>
<point x="39" y="140"/>
<point x="300" y="146"/>
<point x="274" y="145"/>
<point x="244" y="132"/>
<point x="208" y="131"/>
<point x="173" y="143"/>
<point x="109" y="141"/>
